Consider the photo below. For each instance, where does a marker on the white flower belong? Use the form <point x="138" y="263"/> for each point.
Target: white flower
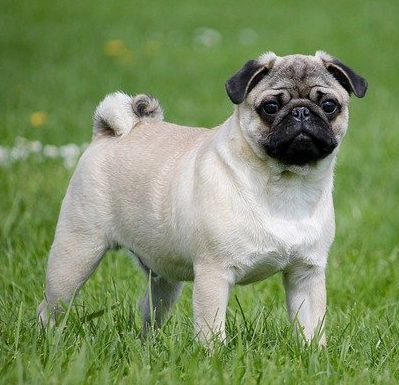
<point x="70" y="154"/>
<point x="69" y="150"/>
<point x="35" y="146"/>
<point x="4" y="156"/>
<point x="207" y="37"/>
<point x="24" y="148"/>
<point x="247" y="36"/>
<point x="50" y="151"/>
<point x="19" y="152"/>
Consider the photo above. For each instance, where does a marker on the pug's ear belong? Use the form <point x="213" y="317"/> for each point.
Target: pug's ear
<point x="240" y="84"/>
<point x="346" y="76"/>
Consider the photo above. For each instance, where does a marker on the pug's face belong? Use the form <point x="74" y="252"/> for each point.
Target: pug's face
<point x="295" y="108"/>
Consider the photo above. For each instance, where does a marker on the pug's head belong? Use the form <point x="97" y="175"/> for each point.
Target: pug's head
<point x="294" y="109"/>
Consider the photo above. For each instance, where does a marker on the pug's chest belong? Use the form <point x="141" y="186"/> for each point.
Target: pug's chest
<point x="266" y="249"/>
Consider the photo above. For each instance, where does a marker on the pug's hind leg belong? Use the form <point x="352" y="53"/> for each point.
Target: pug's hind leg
<point x="73" y="257"/>
<point x="160" y="296"/>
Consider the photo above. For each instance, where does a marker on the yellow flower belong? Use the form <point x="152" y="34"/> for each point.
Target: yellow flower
<point x="115" y="48"/>
<point x="38" y="118"/>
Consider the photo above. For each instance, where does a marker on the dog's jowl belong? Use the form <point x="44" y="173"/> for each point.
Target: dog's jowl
<point x="231" y="205"/>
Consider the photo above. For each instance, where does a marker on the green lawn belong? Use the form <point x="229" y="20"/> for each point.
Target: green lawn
<point x="57" y="61"/>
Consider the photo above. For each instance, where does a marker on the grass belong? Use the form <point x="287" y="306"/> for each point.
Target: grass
<point x="58" y="59"/>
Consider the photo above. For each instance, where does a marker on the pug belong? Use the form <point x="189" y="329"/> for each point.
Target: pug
<point x="232" y="205"/>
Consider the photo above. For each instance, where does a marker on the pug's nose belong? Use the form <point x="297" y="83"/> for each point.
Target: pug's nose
<point x="300" y="114"/>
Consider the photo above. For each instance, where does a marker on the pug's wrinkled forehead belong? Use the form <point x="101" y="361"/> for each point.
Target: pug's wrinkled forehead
<point x="298" y="77"/>
<point x="297" y="73"/>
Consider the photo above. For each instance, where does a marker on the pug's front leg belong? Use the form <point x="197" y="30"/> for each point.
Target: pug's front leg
<point x="306" y="300"/>
<point x="210" y="297"/>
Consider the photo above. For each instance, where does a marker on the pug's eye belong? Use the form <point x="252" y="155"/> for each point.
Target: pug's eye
<point x="329" y="106"/>
<point x="270" y="108"/>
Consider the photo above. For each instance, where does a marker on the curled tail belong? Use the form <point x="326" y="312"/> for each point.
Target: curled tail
<point x="118" y="113"/>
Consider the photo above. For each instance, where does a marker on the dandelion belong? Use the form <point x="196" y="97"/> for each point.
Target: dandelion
<point x="115" y="48"/>
<point x="38" y="118"/>
<point x="118" y="50"/>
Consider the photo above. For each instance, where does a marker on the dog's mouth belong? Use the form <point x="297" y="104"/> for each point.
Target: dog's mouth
<point x="300" y="143"/>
